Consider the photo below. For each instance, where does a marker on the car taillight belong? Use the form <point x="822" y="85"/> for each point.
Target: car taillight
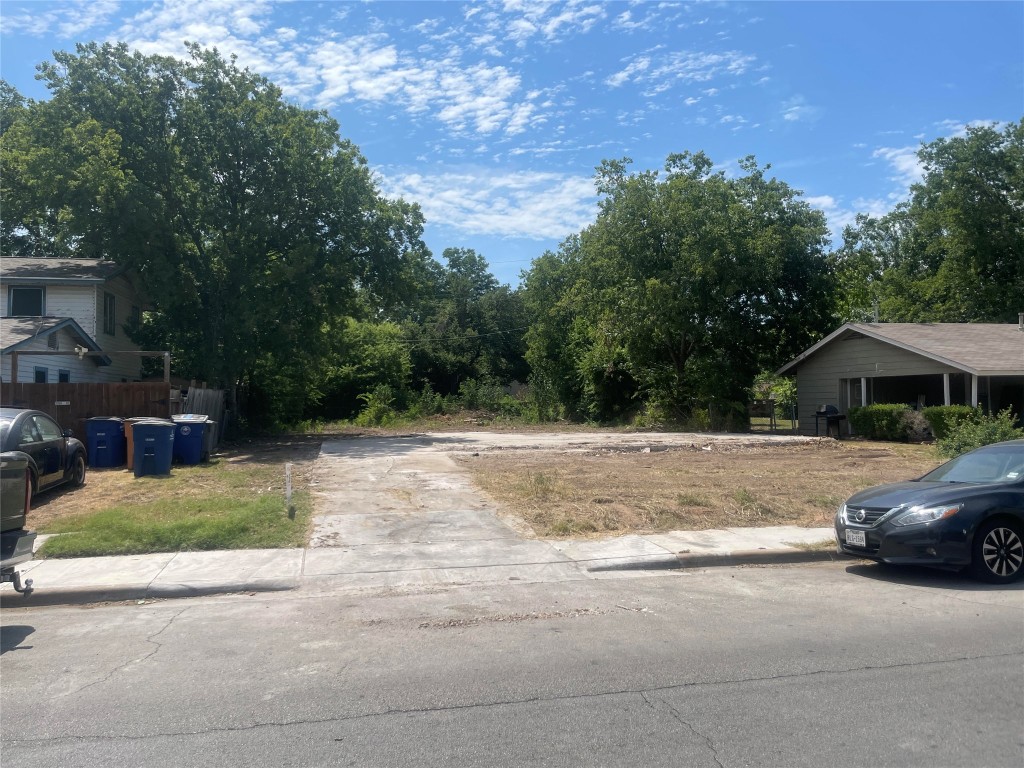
<point x="28" y="489"/>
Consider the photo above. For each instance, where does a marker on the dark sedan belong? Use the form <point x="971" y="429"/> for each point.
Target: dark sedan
<point x="968" y="513"/>
<point x="54" y="456"/>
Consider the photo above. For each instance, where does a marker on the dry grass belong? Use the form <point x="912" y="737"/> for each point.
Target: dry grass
<point x="561" y="494"/>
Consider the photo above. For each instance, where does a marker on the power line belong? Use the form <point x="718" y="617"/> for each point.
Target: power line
<point x="462" y="338"/>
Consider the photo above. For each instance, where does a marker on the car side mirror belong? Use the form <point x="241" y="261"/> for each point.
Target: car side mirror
<point x="68" y="433"/>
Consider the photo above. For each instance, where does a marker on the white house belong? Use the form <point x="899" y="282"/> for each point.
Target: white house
<point x="67" y="305"/>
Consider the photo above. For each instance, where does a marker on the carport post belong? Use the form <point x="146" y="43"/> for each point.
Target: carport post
<point x="974" y="391"/>
<point x="945" y="389"/>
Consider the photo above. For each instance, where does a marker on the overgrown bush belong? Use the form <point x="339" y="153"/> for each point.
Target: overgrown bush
<point x="882" y="421"/>
<point x="944" y="418"/>
<point x="981" y="430"/>
<point x="379" y="409"/>
<point x="427" y="403"/>
<point x="481" y="395"/>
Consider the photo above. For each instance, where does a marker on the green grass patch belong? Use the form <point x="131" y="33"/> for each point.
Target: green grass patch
<point x="183" y="524"/>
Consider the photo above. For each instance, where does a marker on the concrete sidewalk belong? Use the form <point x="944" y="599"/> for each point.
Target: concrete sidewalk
<point x="410" y="565"/>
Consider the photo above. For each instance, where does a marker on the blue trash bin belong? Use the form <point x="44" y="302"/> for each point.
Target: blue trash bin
<point x="153" y="443"/>
<point x="189" y="437"/>
<point x="106" y="442"/>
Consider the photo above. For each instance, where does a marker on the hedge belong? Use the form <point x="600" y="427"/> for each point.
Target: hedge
<point x="882" y="421"/>
<point x="944" y="418"/>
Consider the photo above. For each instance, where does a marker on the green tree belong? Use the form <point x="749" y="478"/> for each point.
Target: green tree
<point x="954" y="252"/>
<point x="466" y="326"/>
<point x="250" y="222"/>
<point x="689" y="284"/>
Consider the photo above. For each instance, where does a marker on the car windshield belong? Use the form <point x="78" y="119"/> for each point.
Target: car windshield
<point x="994" y="465"/>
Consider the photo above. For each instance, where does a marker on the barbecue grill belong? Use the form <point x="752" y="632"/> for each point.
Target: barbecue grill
<point x="832" y="417"/>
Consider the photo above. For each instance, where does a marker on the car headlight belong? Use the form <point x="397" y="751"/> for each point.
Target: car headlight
<point x="920" y="515"/>
<point x="841" y="514"/>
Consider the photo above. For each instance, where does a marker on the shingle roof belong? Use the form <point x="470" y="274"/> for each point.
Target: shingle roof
<point x="58" y="270"/>
<point x="15" y="331"/>
<point x="984" y="349"/>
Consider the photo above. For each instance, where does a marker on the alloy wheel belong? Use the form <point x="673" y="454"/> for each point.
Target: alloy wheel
<point x="1002" y="552"/>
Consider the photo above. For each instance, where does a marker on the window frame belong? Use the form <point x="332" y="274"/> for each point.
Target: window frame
<point x="39" y="369"/>
<point x="11" y="290"/>
<point x="109" y="313"/>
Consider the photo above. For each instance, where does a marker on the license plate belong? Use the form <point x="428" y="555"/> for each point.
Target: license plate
<point x="856" y="538"/>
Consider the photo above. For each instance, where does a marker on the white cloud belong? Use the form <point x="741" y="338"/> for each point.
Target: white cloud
<point x="906" y="168"/>
<point x="659" y="72"/>
<point x="634" y="68"/>
<point x="68" y="20"/>
<point x="796" y="110"/>
<point x="516" y="204"/>
<point x="370" y="68"/>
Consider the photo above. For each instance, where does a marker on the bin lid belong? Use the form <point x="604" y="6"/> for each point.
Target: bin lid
<point x="190" y="417"/>
<point x="105" y="418"/>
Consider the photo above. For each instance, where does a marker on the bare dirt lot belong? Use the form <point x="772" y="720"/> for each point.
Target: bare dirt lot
<point x="561" y="493"/>
<point x="712" y="486"/>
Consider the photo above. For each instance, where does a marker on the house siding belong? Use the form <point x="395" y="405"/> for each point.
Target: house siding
<point x="84" y="370"/>
<point x="128" y="367"/>
<point x="83" y="302"/>
<point x="818" y="378"/>
<point x="75" y="301"/>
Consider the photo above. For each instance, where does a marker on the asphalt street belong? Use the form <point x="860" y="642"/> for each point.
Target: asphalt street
<point x="829" y="664"/>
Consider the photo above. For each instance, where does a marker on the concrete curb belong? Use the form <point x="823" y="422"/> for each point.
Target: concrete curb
<point x="685" y="560"/>
<point x="757" y="557"/>
<point x="111" y="594"/>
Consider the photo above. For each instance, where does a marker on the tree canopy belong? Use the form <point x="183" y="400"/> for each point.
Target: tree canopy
<point x="682" y="290"/>
<point x="249" y="221"/>
<point x="952" y="252"/>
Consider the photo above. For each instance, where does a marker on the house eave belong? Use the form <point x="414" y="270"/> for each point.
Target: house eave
<point x="865" y="330"/>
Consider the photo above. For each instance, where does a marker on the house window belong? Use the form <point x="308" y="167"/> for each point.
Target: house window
<point x="63" y="376"/>
<point x="109" y="324"/>
<point x="41" y="374"/>
<point x="25" y="302"/>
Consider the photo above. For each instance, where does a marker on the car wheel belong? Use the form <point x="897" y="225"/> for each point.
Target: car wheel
<point x="78" y="470"/>
<point x="998" y="552"/>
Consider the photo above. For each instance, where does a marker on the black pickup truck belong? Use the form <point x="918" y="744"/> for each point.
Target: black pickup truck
<point x="16" y="542"/>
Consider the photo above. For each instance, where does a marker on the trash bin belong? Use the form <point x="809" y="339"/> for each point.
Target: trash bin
<point x="189" y="437"/>
<point x="153" y="447"/>
<point x="105" y="441"/>
<point x="129" y="424"/>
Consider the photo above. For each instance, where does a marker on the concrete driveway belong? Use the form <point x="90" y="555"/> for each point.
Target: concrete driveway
<point x="398" y="511"/>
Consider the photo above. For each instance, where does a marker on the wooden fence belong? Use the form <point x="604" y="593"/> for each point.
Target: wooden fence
<point x="209" y="402"/>
<point x="72" y="404"/>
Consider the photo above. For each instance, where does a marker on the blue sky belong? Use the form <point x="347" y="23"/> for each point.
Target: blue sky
<point x="493" y="115"/>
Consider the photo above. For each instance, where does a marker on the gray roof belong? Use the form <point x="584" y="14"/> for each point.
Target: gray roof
<point x="38" y="270"/>
<point x="983" y="349"/>
<point x="18" y="331"/>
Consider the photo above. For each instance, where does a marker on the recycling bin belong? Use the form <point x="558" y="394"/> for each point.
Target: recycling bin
<point x="129" y="435"/>
<point x="189" y="437"/>
<point x="153" y="447"/>
<point x="105" y="441"/>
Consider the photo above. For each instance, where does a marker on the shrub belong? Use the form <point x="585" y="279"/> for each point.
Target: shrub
<point x="943" y="418"/>
<point x="882" y="421"/>
<point x="981" y="430"/>
<point x="378" y="410"/>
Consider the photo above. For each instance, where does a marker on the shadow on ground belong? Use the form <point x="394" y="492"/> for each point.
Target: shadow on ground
<point x="916" y="576"/>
